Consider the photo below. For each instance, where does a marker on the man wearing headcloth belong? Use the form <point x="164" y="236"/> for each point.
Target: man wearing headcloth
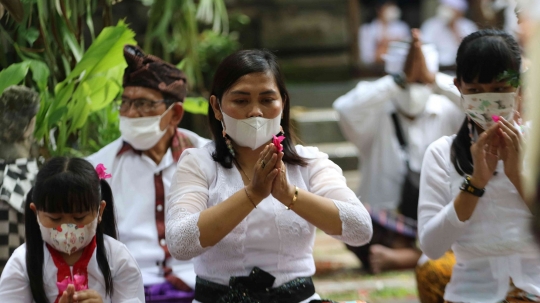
<point x="392" y="121"/>
<point x="142" y="163"/>
<point x="446" y="29"/>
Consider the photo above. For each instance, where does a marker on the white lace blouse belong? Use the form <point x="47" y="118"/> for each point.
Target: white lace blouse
<point x="270" y="237"/>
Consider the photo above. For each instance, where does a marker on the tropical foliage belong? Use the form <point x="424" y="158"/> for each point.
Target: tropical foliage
<point x="53" y="47"/>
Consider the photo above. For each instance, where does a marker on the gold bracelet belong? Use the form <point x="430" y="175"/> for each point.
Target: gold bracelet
<point x="293" y="199"/>
<point x="249" y="197"/>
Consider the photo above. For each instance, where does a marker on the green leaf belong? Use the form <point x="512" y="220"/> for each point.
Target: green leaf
<point x="13" y="75"/>
<point x="105" y="52"/>
<point x="40" y="73"/>
<point x="57" y="115"/>
<point x="197" y="105"/>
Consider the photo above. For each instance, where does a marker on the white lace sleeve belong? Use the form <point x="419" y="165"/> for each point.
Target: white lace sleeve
<point x="187" y="198"/>
<point x="326" y="179"/>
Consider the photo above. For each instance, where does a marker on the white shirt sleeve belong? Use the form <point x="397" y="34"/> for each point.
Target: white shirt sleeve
<point x="362" y="107"/>
<point x="326" y="179"/>
<point x="127" y="279"/>
<point x="14" y="282"/>
<point x="444" y="85"/>
<point x="438" y="224"/>
<point x="187" y="199"/>
<point x="368" y="43"/>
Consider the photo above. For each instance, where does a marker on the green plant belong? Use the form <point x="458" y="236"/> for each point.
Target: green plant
<point x="90" y="87"/>
<point x="173" y="32"/>
<point x="45" y="46"/>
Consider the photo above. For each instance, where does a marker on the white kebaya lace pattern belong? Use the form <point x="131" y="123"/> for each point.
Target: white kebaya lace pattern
<point x="270" y="237"/>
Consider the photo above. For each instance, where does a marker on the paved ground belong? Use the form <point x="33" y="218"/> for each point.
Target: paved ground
<point x="339" y="277"/>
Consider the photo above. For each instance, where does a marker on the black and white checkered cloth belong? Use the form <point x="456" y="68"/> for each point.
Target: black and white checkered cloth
<point x="16" y="180"/>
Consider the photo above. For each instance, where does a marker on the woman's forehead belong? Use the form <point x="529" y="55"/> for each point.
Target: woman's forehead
<point x="255" y="82"/>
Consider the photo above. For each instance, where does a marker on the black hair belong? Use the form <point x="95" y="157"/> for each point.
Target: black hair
<point x="483" y="56"/>
<point x="67" y="185"/>
<point x="231" y="69"/>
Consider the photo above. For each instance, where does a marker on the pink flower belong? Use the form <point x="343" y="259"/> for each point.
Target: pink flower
<point x="62" y="286"/>
<point x="277" y="142"/>
<point x="79" y="282"/>
<point x="101" y="171"/>
<point x="495" y="118"/>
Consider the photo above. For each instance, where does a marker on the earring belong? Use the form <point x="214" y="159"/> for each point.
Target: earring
<point x="228" y="143"/>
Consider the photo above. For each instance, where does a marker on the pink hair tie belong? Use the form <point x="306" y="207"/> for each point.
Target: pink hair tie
<point x="101" y="171"/>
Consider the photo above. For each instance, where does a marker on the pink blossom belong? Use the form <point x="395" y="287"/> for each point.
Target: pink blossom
<point x="79" y="282"/>
<point x="101" y="171"/>
<point x="277" y="142"/>
<point x="495" y="118"/>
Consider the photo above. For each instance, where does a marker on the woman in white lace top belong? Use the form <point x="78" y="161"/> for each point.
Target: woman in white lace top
<point x="247" y="211"/>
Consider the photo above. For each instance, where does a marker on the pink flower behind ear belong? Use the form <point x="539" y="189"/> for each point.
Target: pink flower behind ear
<point x="277" y="142"/>
<point x="495" y="118"/>
<point x="101" y="171"/>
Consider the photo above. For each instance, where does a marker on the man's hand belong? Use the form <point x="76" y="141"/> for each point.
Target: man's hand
<point x="423" y="75"/>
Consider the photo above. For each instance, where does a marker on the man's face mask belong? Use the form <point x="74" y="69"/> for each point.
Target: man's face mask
<point x="69" y="238"/>
<point x="412" y="101"/>
<point x="482" y="107"/>
<point x="144" y="132"/>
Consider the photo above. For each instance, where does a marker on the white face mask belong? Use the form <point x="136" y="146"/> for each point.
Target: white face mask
<point x="69" y="238"/>
<point x="142" y="133"/>
<point x="445" y="13"/>
<point x="251" y="132"/>
<point x="391" y="13"/>
<point x="482" y="107"/>
<point x="412" y="101"/>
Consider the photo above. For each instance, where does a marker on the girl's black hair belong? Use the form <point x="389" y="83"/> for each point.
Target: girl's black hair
<point x="231" y="69"/>
<point x="483" y="56"/>
<point x="67" y="185"/>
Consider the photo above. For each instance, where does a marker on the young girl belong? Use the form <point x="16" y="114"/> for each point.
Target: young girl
<point x="71" y="254"/>
<point x="471" y="196"/>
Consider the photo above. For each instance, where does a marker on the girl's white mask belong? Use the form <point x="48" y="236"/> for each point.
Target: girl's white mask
<point x="482" y="107"/>
<point x="69" y="238"/>
<point x="251" y="132"/>
<point x="142" y="133"/>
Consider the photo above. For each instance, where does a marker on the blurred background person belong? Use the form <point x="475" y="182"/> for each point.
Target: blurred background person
<point x="375" y="36"/>
<point x="392" y="121"/>
<point x="447" y="29"/>
<point x="18" y="167"/>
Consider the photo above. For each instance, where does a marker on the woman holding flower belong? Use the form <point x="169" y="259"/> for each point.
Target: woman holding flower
<point x="246" y="206"/>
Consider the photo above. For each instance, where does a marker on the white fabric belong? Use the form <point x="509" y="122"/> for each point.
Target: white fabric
<point x="494" y="245"/>
<point x="270" y="237"/>
<point x="436" y="31"/>
<point x="132" y="184"/>
<point x="396" y="56"/>
<point x="126" y="277"/>
<point x="460" y="5"/>
<point x="370" y="34"/>
<point x="365" y="120"/>
<point x="531" y="7"/>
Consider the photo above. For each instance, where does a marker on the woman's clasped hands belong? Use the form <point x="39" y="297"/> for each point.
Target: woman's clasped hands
<point x="502" y="141"/>
<point x="270" y="177"/>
